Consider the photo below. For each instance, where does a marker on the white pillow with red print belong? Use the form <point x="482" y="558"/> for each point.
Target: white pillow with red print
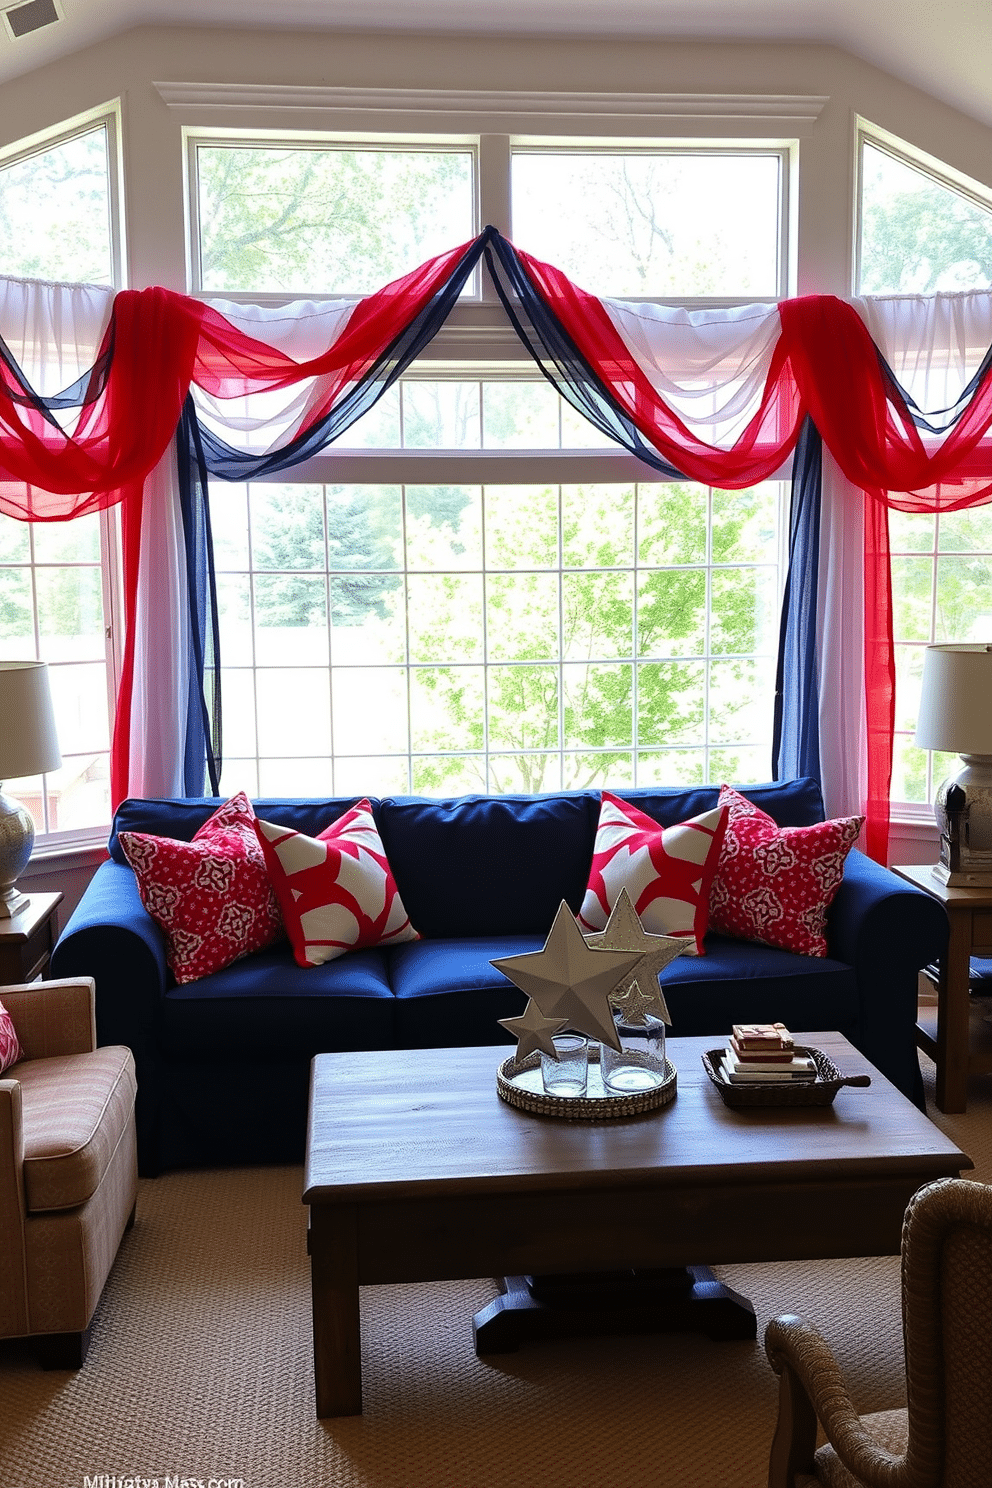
<point x="10" y="1048"/>
<point x="667" y="871"/>
<point x="336" y="891"/>
<point x="775" y="884"/>
<point x="211" y="896"/>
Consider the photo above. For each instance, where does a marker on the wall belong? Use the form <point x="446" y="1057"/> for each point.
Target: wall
<point x="130" y="65"/>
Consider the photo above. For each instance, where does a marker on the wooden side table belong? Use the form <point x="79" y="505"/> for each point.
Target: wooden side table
<point x="28" y="939"/>
<point x="969" y="912"/>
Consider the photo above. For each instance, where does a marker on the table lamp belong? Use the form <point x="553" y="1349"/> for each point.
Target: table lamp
<point x="28" y="746"/>
<point x="956" y="715"/>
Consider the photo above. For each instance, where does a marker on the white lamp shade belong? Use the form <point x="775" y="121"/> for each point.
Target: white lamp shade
<point x="956" y="699"/>
<point x="28" y="742"/>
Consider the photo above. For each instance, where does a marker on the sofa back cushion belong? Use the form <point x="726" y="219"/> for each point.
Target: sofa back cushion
<point x="481" y="865"/>
<point x="489" y="865"/>
<point x="182" y="817"/>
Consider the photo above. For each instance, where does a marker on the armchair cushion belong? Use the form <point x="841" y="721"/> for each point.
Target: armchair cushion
<point x="75" y="1109"/>
<point x="10" y="1049"/>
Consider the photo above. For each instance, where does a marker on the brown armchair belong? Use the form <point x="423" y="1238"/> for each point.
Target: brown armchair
<point x="944" y="1437"/>
<point x="68" y="1167"/>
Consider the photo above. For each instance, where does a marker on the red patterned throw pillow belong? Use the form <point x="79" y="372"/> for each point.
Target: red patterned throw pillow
<point x="336" y="891"/>
<point x="775" y="884"/>
<point x="211" y="896"/>
<point x="10" y="1048"/>
<point x="667" y="871"/>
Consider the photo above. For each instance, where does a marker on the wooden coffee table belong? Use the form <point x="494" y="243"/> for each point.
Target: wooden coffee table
<point x="417" y="1171"/>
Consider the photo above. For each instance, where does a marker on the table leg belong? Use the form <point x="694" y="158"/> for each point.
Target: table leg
<point x="953" y="1017"/>
<point x="337" y="1338"/>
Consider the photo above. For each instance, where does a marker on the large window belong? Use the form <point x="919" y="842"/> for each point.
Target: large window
<point x="921" y="233"/>
<point x="482" y="635"/>
<point x="58" y="221"/>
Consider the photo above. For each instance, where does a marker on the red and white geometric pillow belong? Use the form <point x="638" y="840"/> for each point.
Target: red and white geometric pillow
<point x="10" y="1049"/>
<point x="775" y="884"/>
<point x="667" y="871"/>
<point x="211" y="896"/>
<point x="336" y="891"/>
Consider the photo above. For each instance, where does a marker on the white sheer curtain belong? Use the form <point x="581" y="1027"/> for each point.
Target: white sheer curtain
<point x="934" y="344"/>
<point x="709" y="366"/>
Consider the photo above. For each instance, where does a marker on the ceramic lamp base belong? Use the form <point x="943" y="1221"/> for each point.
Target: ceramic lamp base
<point x="963" y="811"/>
<point x="16" y="842"/>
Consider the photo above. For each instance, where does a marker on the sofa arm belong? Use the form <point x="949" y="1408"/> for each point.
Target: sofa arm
<point x="14" y="1317"/>
<point x="51" y="1018"/>
<point x="888" y="931"/>
<point x="112" y="938"/>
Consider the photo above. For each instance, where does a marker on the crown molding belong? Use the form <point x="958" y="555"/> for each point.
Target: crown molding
<point x="789" y="113"/>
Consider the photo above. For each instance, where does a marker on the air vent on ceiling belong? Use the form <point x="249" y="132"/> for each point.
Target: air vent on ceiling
<point x="31" y="16"/>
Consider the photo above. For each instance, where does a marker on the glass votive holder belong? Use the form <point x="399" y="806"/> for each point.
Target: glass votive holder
<point x="567" y="1075"/>
<point x="639" y="1063"/>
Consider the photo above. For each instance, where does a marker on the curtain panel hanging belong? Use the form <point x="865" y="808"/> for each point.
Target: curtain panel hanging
<point x="722" y="397"/>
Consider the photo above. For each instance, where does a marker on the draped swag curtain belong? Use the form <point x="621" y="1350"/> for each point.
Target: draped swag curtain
<point x="139" y="397"/>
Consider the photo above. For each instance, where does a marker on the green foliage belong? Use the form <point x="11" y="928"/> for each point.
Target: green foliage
<point x="55" y="212"/>
<point x="918" y="235"/>
<point x="326" y="220"/>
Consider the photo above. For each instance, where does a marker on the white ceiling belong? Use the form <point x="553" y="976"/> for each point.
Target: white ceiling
<point x="941" y="46"/>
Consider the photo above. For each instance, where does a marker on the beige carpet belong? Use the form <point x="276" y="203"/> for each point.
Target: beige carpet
<point x="200" y="1368"/>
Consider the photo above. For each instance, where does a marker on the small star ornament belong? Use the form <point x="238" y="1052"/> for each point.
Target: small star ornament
<point x="569" y="981"/>
<point x="635" y="998"/>
<point x="533" y="1031"/>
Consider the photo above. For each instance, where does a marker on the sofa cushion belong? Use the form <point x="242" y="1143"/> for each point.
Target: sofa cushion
<point x="667" y="871"/>
<point x="489" y="865"/>
<point x="10" y="1046"/>
<point x="763" y="984"/>
<point x="447" y="992"/>
<point x="336" y="891"/>
<point x="775" y="884"/>
<point x="211" y="896"/>
<point x="266" y="1005"/>
<point x="75" y="1109"/>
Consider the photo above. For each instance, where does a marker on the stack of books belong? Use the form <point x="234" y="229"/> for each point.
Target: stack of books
<point x="764" y="1053"/>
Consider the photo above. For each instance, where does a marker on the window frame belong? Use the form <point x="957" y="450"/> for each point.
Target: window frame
<point x="914" y="159"/>
<point x="488" y="468"/>
<point x="109" y="117"/>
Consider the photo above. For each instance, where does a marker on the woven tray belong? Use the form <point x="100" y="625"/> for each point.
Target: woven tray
<point x="519" y="1084"/>
<point x="818" y="1092"/>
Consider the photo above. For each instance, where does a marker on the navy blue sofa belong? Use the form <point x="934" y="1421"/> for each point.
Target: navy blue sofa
<point x="223" y="1063"/>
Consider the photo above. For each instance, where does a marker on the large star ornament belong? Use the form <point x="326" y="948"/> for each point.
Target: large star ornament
<point x="634" y="997"/>
<point x="569" y="981"/>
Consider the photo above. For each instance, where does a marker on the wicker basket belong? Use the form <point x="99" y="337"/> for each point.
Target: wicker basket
<point x="818" y="1092"/>
<point x="518" y="1082"/>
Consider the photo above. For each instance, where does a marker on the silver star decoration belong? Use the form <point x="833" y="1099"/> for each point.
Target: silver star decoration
<point x="569" y="981"/>
<point x="533" y="1031"/>
<point x="635" y="998"/>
